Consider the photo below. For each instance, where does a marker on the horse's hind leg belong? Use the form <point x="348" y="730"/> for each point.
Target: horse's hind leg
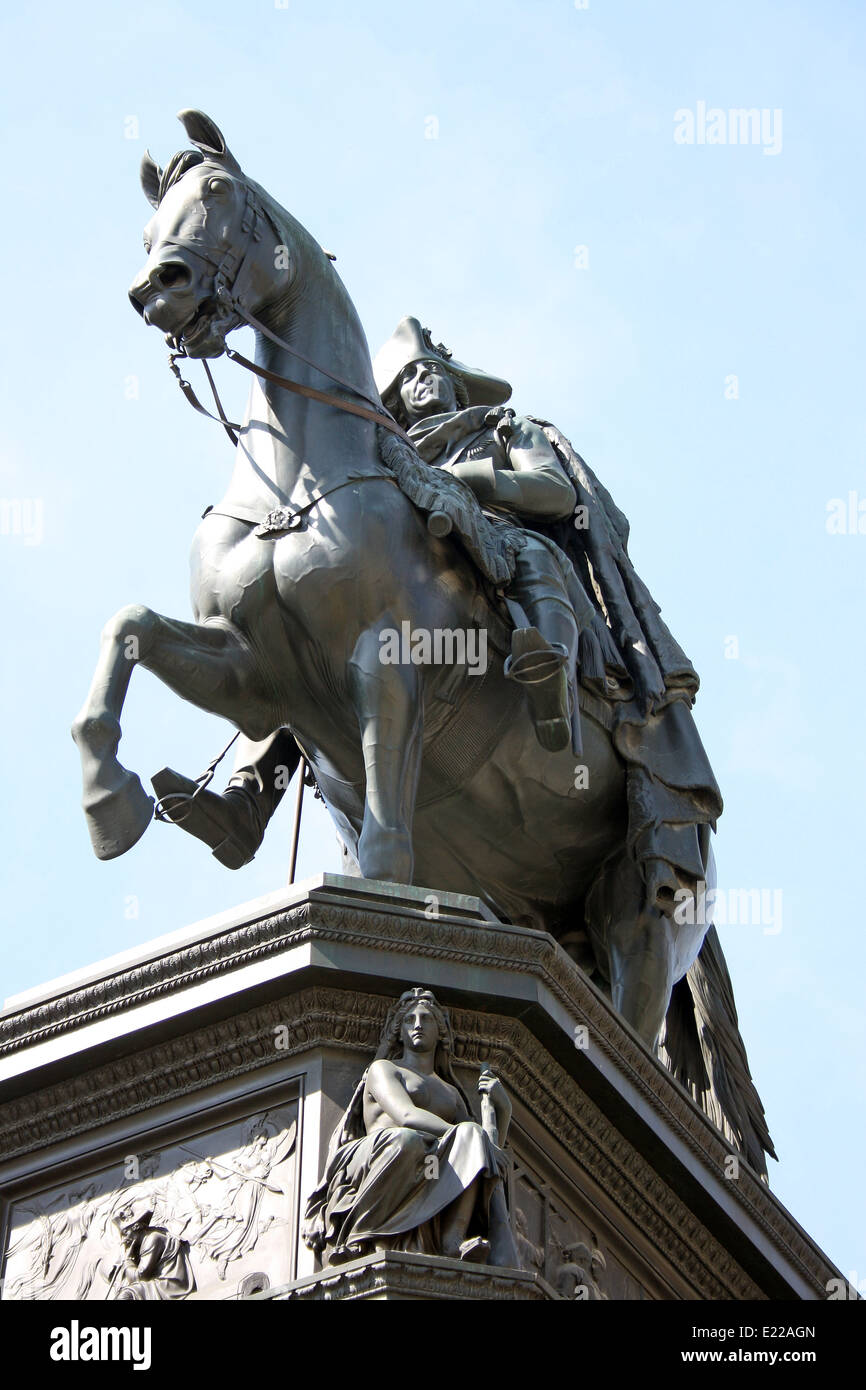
<point x="642" y="960"/>
<point x="639" y="944"/>
<point x="209" y="665"/>
<point x="388" y="703"/>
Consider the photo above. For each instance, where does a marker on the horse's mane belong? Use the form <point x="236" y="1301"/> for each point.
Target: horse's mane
<point x="177" y="166"/>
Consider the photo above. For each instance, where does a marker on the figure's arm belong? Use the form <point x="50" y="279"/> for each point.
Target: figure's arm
<point x="532" y="482"/>
<point x="491" y="1087"/>
<point x="387" y="1089"/>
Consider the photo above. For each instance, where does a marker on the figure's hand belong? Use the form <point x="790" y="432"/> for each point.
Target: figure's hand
<point x="501" y="417"/>
<point x="490" y="1085"/>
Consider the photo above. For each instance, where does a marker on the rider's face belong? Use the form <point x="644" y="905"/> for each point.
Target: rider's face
<point x="426" y="388"/>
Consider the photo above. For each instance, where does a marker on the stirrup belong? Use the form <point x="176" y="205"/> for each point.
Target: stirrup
<point x="175" y="815"/>
<point x="542" y="667"/>
<point x="533" y="667"/>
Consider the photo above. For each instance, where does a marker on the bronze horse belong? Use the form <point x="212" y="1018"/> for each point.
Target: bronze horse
<point x="432" y="775"/>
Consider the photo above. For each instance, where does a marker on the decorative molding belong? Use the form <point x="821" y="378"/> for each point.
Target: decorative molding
<point x="153" y="979"/>
<point x="393" y="1274"/>
<point x="611" y="1161"/>
<point x="204" y="1056"/>
<point x="318" y="1016"/>
<point x="476" y="945"/>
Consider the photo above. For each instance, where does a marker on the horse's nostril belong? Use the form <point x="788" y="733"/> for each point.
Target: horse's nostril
<point x="172" y="276"/>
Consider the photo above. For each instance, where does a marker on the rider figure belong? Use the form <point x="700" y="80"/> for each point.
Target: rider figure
<point x="457" y="421"/>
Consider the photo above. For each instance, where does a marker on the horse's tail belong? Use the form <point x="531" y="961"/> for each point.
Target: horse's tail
<point x="707" y="1055"/>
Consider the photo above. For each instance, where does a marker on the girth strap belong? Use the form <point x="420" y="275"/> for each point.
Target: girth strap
<point x="281" y="520"/>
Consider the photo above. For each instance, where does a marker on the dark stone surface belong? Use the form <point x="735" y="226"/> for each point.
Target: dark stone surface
<point x="615" y="1170"/>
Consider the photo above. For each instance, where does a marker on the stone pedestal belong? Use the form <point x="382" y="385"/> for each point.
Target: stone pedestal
<point x="394" y="1275"/>
<point x="199" y="1080"/>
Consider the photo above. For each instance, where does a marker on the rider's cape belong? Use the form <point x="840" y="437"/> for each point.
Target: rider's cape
<point x="637" y="681"/>
<point x="634" y="677"/>
<point x="673" y="798"/>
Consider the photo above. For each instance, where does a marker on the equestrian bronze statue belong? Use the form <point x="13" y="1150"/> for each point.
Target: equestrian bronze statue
<point x="430" y="597"/>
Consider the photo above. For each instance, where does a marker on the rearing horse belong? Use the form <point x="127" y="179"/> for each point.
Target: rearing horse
<point x="432" y="775"/>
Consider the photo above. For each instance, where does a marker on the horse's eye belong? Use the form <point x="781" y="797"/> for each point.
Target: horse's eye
<point x="218" y="186"/>
<point x="148" y="246"/>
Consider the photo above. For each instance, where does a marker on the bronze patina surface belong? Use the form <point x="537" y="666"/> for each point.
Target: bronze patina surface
<point x="437" y="624"/>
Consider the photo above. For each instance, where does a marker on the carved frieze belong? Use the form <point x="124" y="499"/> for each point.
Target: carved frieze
<point x="210" y="1216"/>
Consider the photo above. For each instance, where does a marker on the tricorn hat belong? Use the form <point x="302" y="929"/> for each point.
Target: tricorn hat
<point x="127" y="1221"/>
<point x="411" y="343"/>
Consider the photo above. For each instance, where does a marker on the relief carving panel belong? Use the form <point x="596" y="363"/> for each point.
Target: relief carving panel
<point x="208" y="1217"/>
<point x="555" y="1241"/>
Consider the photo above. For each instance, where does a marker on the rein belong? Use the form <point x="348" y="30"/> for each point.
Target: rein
<point x="326" y="397"/>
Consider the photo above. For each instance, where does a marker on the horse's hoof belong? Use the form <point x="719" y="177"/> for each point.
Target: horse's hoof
<point x="475" y="1251"/>
<point x="386" y="855"/>
<point x="117" y="819"/>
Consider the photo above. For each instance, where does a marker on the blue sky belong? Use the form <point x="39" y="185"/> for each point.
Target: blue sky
<point x="554" y="130"/>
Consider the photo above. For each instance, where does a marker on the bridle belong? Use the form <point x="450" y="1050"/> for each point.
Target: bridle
<point x="228" y="271"/>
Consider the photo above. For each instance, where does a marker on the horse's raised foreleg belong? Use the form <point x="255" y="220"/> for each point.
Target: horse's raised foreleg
<point x="389" y="705"/>
<point x="209" y="665"/>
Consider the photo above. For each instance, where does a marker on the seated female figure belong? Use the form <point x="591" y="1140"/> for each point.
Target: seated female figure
<point x="409" y="1168"/>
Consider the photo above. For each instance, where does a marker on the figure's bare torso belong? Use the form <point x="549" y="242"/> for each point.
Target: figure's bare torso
<point x="427" y="1092"/>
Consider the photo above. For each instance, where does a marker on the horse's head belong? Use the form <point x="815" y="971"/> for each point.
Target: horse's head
<point x="211" y="241"/>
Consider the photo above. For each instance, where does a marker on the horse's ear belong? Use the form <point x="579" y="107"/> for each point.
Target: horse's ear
<point x="206" y="135"/>
<point x="151" y="175"/>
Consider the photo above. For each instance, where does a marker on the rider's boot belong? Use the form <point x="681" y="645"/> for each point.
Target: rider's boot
<point x="544" y="659"/>
<point x="232" y="824"/>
